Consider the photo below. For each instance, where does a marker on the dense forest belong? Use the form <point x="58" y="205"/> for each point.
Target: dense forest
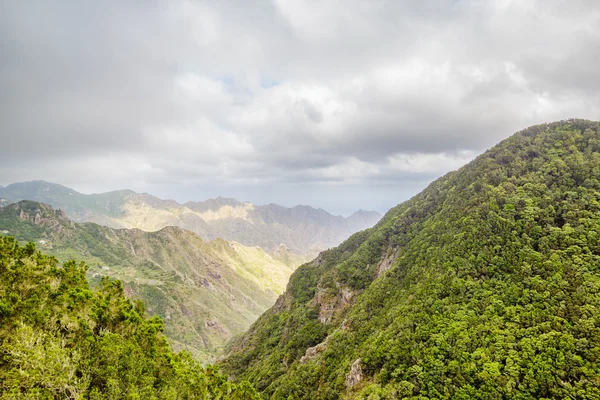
<point x="61" y="340"/>
<point x="486" y="285"/>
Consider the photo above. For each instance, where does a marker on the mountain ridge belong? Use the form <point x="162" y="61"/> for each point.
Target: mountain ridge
<point x="484" y="285"/>
<point x="303" y="229"/>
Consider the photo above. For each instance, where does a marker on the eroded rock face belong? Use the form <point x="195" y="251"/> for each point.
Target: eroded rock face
<point x="207" y="284"/>
<point x="42" y="215"/>
<point x="330" y="304"/>
<point x="312" y="352"/>
<point x="387" y="262"/>
<point x="217" y="326"/>
<point x="283" y="302"/>
<point x="355" y="375"/>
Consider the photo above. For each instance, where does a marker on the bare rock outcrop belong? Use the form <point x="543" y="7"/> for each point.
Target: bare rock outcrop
<point x="387" y="261"/>
<point x="330" y="304"/>
<point x="312" y="352"/>
<point x="355" y="375"/>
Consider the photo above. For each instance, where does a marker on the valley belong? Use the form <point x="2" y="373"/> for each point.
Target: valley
<point x="206" y="292"/>
<point x="300" y="200"/>
<point x="484" y="285"/>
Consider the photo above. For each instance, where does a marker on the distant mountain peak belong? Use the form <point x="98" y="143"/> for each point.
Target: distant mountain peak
<point x="302" y="228"/>
<point x="365" y="212"/>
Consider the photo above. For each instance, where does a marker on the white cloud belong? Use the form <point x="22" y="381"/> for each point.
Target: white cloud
<point x="223" y="94"/>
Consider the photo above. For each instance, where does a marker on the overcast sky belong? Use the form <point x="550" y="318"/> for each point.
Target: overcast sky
<point x="339" y="104"/>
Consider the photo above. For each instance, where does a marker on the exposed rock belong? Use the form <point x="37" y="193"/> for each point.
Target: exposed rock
<point x="206" y="283"/>
<point x="312" y="352"/>
<point x="214" y="274"/>
<point x="330" y="304"/>
<point x="184" y="310"/>
<point x="283" y="302"/>
<point x="132" y="248"/>
<point x="355" y="375"/>
<point x="318" y="260"/>
<point x="387" y="261"/>
<point x="216" y="326"/>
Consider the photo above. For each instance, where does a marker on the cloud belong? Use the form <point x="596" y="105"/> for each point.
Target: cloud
<point x="287" y="101"/>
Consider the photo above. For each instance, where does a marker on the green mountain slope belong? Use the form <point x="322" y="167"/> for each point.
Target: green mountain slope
<point x="205" y="292"/>
<point x="484" y="286"/>
<point x="61" y="340"/>
<point x="303" y="229"/>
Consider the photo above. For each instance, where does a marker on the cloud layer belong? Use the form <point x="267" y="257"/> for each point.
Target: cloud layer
<point x="340" y="104"/>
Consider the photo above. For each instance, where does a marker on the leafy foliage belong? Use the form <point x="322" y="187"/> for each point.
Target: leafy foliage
<point x="206" y="292"/>
<point x="493" y="290"/>
<point x="59" y="339"/>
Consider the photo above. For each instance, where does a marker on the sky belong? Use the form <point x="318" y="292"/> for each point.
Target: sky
<point x="338" y="104"/>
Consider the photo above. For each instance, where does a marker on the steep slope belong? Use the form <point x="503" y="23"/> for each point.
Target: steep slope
<point x="303" y="229"/>
<point x="205" y="292"/>
<point x="61" y="340"/>
<point x="486" y="285"/>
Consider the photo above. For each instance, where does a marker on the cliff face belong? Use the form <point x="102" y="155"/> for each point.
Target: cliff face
<point x="484" y="285"/>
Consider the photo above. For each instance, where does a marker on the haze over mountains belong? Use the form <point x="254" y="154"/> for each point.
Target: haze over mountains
<point x="206" y="292"/>
<point x="303" y="229"/>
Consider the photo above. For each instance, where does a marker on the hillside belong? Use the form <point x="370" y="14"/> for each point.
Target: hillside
<point x="205" y="292"/>
<point x="61" y="340"/>
<point x="303" y="229"/>
<point x="486" y="285"/>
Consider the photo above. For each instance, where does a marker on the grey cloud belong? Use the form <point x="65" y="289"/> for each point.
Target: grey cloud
<point x="226" y="98"/>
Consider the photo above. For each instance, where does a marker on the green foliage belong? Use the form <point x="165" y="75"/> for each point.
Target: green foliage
<point x="179" y="277"/>
<point x="59" y="339"/>
<point x="493" y="291"/>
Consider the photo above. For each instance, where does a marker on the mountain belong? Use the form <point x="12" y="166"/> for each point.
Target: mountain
<point x="303" y="229"/>
<point x="61" y="340"/>
<point x="486" y="285"/>
<point x="206" y="292"/>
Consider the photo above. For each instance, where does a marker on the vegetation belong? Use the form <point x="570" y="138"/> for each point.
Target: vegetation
<point x="484" y="286"/>
<point x="61" y="340"/>
<point x="205" y="292"/>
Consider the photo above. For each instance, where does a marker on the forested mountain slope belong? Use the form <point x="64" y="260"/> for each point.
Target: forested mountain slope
<point x="486" y="285"/>
<point x="304" y="230"/>
<point x="61" y="340"/>
<point x="206" y="292"/>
